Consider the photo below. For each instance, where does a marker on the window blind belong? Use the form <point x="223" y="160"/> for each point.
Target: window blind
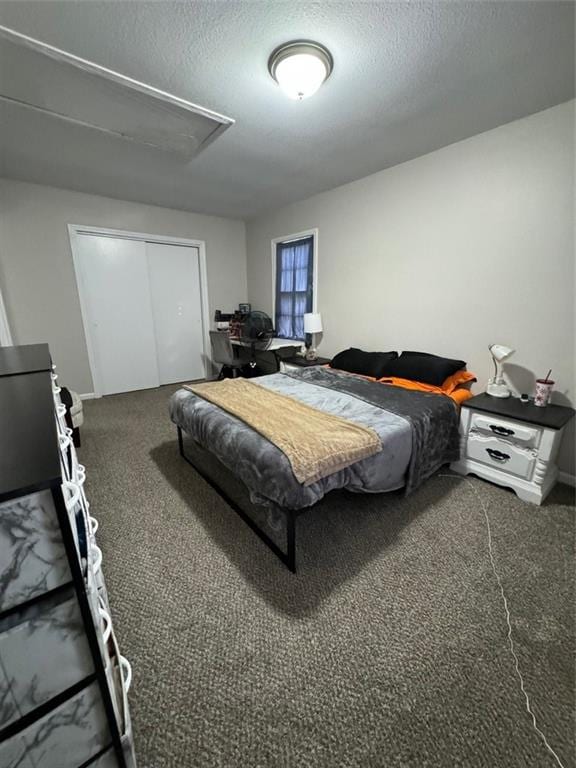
<point x="294" y="286"/>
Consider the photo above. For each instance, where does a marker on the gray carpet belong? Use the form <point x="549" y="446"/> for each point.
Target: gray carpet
<point x="387" y="649"/>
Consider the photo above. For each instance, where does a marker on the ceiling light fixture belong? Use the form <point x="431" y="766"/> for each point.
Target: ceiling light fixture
<point x="300" y="67"/>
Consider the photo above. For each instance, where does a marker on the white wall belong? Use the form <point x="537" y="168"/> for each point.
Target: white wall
<point x="37" y="273"/>
<point x="463" y="247"/>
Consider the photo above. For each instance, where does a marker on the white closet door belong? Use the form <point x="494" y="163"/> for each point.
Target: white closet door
<point x="114" y="272"/>
<point x="175" y="289"/>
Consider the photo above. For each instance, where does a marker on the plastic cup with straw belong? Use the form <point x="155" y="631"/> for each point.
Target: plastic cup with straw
<point x="543" y="390"/>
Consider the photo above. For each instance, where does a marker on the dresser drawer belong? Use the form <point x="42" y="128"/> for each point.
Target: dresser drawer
<point x="14" y="753"/>
<point x="32" y="554"/>
<point x="107" y="760"/>
<point x="513" y="431"/>
<point x="501" y="455"/>
<point x="65" y="738"/>
<point x="47" y="631"/>
<point x="8" y="706"/>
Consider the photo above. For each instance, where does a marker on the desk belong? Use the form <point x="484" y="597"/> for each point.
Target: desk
<point x="269" y="359"/>
<point x="275" y="344"/>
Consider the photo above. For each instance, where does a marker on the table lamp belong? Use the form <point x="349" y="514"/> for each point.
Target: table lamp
<point x="497" y="386"/>
<point x="312" y="326"/>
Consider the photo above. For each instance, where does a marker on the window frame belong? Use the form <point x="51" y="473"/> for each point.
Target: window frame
<point x="313" y="233"/>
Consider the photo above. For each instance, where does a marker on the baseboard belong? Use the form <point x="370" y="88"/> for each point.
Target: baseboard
<point x="567" y="479"/>
<point x="89" y="396"/>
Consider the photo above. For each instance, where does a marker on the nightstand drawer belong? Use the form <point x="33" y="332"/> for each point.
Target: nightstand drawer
<point x="501" y="455"/>
<point x="522" y="434"/>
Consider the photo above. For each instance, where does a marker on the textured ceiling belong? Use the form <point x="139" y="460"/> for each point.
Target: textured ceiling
<point x="408" y="78"/>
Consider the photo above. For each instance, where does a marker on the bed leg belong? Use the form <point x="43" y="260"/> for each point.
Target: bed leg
<point x="288" y="557"/>
<point x="291" y="540"/>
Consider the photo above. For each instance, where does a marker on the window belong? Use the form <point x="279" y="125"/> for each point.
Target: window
<point x="294" y="286"/>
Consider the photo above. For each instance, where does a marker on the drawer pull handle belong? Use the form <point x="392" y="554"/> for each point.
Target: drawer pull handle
<point x="501" y="430"/>
<point x="96" y="558"/>
<point x="497" y="455"/>
<point x="107" y="624"/>
<point x="72" y="495"/>
<point x="126" y="668"/>
<point x="79" y="474"/>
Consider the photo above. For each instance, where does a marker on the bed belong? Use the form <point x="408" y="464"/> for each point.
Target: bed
<point x="418" y="432"/>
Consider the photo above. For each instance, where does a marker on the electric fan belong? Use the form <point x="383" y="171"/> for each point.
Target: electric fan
<point x="256" y="332"/>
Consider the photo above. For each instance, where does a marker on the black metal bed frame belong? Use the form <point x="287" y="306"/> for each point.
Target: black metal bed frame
<point x="289" y="556"/>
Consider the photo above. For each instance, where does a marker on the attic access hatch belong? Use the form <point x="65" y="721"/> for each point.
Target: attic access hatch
<point x="41" y="79"/>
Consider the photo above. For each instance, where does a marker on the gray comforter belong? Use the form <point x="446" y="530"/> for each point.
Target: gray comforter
<point x="419" y="433"/>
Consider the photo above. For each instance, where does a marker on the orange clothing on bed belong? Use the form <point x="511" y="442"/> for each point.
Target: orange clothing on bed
<point x="458" y="378"/>
<point x="460" y="395"/>
<point x="449" y="386"/>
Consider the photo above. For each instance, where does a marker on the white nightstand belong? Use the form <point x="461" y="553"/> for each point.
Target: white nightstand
<point x="511" y="443"/>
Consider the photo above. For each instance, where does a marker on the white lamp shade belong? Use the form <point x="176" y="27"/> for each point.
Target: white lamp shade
<point x="499" y="352"/>
<point x="313" y="322"/>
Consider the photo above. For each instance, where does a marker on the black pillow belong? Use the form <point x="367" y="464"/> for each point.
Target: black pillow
<point x="421" y="366"/>
<point x="365" y="363"/>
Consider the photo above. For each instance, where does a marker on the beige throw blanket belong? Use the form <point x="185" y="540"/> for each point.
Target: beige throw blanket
<point x="316" y="444"/>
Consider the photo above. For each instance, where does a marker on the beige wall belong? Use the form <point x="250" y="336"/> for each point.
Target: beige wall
<point x="463" y="247"/>
<point x="37" y="273"/>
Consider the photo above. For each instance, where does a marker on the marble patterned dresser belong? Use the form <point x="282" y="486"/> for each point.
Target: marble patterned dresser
<point x="63" y="681"/>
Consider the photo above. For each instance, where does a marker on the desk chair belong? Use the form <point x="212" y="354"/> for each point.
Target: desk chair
<point x="223" y="354"/>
